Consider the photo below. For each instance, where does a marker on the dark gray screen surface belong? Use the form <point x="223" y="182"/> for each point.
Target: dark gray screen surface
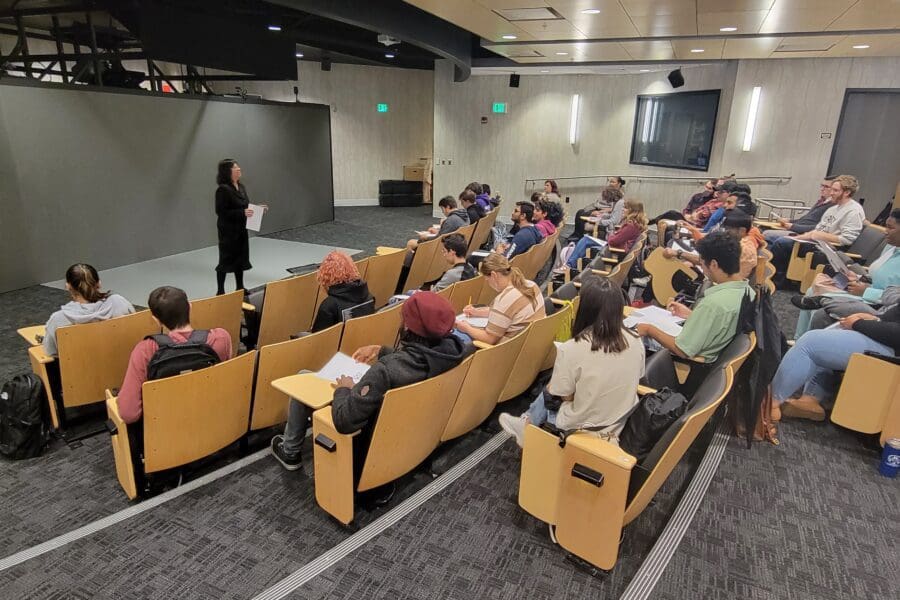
<point x="117" y="178"/>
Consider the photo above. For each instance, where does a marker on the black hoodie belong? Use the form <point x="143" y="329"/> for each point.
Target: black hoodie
<point x="341" y="296"/>
<point x="352" y="409"/>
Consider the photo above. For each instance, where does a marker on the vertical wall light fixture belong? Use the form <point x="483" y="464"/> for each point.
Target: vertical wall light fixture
<point x="573" y="119"/>
<point x="751" y="118"/>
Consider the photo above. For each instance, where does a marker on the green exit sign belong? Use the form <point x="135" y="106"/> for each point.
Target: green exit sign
<point x="499" y="107"/>
<point x="381" y="107"/>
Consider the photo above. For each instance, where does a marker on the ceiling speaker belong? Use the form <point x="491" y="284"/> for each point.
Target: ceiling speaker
<point x="326" y="65"/>
<point x="676" y="78"/>
<point x="514" y="80"/>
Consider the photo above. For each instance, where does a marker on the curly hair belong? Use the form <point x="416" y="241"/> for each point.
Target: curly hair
<point x="336" y="268"/>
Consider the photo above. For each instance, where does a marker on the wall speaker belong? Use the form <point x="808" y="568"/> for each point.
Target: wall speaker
<point x="326" y="65"/>
<point x="514" y="80"/>
<point x="676" y="78"/>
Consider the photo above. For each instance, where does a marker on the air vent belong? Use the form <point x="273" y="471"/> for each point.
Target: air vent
<point x="805" y="45"/>
<point x="521" y="53"/>
<point x="544" y="13"/>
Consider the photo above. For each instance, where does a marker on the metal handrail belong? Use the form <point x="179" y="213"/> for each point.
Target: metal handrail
<point x="792" y="208"/>
<point x="779" y="179"/>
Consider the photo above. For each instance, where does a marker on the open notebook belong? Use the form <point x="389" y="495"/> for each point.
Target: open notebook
<point x="341" y="364"/>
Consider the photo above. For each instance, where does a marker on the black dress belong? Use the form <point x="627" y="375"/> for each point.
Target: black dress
<point x="234" y="243"/>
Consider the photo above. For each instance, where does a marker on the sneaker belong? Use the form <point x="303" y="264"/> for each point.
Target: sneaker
<point x="514" y="426"/>
<point x="291" y="463"/>
<point x="804" y="407"/>
<point x="804" y="302"/>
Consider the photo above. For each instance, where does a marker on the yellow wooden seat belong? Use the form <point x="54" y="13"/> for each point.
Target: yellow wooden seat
<point x="535" y="351"/>
<point x="481" y="388"/>
<point x="663" y="272"/>
<point x="310" y="352"/>
<point x="223" y="311"/>
<point x="438" y="265"/>
<point x="380" y="328"/>
<point x="467" y="292"/>
<point x="382" y="274"/>
<point x="288" y="308"/>
<point x="185" y="418"/>
<point x="869" y="398"/>
<point x="482" y="231"/>
<point x="92" y="358"/>
<point x="407" y="430"/>
<point x="590" y="490"/>
<point x="420" y="267"/>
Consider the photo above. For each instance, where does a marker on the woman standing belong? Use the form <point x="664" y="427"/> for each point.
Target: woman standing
<point x="232" y="208"/>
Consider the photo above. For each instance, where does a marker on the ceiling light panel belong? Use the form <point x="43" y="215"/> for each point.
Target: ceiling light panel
<point x="528" y="14"/>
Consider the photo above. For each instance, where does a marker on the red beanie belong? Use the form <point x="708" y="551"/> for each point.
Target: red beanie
<point x="428" y="315"/>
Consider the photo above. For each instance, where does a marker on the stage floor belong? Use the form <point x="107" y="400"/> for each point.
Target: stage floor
<point x="194" y="271"/>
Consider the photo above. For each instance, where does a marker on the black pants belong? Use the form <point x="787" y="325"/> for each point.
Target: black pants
<point x="220" y="281"/>
<point x="578" y="233"/>
<point x="670" y="215"/>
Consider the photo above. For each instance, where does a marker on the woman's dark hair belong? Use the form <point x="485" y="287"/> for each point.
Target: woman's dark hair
<point x="475" y="187"/>
<point x="611" y="195"/>
<point x="552" y="210"/>
<point x="486" y="189"/>
<point x="170" y="305"/>
<point x="224" y="175"/>
<point x="620" y="180"/>
<point x="536" y="197"/>
<point x="553" y="187"/>
<point x="84" y="280"/>
<point x="599" y="318"/>
<point x="722" y="247"/>
<point x="456" y="244"/>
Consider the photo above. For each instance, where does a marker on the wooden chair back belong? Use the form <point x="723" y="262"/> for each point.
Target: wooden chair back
<point x="538" y="344"/>
<point x="380" y="328"/>
<point x="467" y="232"/>
<point x="190" y="416"/>
<point x="446" y="292"/>
<point x="420" y="268"/>
<point x="482" y="230"/>
<point x="409" y="426"/>
<point x="362" y="265"/>
<point x="867" y="394"/>
<point x="93" y="357"/>
<point x="677" y="439"/>
<point x="382" y="274"/>
<point x="466" y="292"/>
<point x="487" y="294"/>
<point x="286" y="358"/>
<point x="663" y="271"/>
<point x="223" y="311"/>
<point x="288" y="308"/>
<point x="481" y="389"/>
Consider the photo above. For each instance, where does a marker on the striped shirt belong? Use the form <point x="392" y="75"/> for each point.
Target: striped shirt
<point x="511" y="311"/>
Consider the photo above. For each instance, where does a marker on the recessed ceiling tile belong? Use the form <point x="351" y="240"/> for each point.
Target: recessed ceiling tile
<point x="551" y="30"/>
<point x="869" y="14"/>
<point x="666" y="25"/>
<point x="474" y="17"/>
<point x="688" y="49"/>
<point x="747" y="21"/>
<point x="611" y="21"/>
<point x="507" y="4"/>
<point x="647" y="8"/>
<point x="652" y="50"/>
<point x="706" y="6"/>
<point x="603" y="51"/>
<point x="790" y="21"/>
<point x="878" y="45"/>
<point x="760" y="47"/>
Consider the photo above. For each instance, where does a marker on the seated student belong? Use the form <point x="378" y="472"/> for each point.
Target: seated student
<point x="551" y="191"/>
<point x="88" y="304"/>
<point x="526" y="234"/>
<point x="713" y="322"/>
<point x="494" y="200"/>
<point x="828" y="300"/>
<point x="340" y="279"/>
<point x="518" y="302"/>
<point x="542" y="208"/>
<point x="473" y="209"/>
<point x="427" y="348"/>
<point x="170" y="308"/>
<point x="695" y="202"/>
<point x="453" y="251"/>
<point x="739" y="225"/>
<point x="811" y="364"/>
<point x="700" y="216"/>
<point x="609" y="197"/>
<point x="481" y="198"/>
<point x="595" y="373"/>
<point x="841" y="224"/>
<point x="454" y="218"/>
<point x="634" y="223"/>
<point x="809" y="220"/>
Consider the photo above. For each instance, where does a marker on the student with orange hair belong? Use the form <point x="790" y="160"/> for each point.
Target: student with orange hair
<point x="340" y="278"/>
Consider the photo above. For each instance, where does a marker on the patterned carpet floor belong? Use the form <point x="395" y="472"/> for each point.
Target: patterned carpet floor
<point x="810" y="518"/>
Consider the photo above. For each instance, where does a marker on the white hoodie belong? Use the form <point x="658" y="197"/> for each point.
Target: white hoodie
<point x="75" y="313"/>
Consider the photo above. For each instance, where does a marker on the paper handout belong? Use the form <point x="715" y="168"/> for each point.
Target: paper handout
<point x="254" y="223"/>
<point x="653" y="315"/>
<point x="341" y="364"/>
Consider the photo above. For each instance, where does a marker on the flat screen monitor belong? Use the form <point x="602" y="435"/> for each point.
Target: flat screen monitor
<point x="675" y="130"/>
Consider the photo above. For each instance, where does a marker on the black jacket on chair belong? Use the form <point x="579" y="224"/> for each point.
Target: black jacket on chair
<point x="341" y="296"/>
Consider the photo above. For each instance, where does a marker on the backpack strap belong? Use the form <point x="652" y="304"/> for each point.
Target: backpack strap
<point x="199" y="336"/>
<point x="162" y="340"/>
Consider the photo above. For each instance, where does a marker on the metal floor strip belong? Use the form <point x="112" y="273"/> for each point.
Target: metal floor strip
<point x="131" y="511"/>
<point x="650" y="571"/>
<point x="330" y="558"/>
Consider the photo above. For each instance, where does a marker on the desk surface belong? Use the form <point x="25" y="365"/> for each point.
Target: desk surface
<point x="768" y="224"/>
<point x="30" y="334"/>
<point x="306" y="388"/>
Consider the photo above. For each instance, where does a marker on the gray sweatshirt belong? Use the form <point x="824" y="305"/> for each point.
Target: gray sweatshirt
<point x="615" y="217"/>
<point x="75" y="313"/>
<point x="845" y="221"/>
<point x="456" y="219"/>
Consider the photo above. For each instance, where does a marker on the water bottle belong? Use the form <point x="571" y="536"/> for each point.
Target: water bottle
<point x="890" y="458"/>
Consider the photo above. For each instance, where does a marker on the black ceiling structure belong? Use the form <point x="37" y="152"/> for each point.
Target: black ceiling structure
<point x="247" y="39"/>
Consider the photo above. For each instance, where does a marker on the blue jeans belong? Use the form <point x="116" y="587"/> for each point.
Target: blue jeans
<point x="781" y="253"/>
<point x="580" y="251"/>
<point x="538" y="413"/>
<point x="811" y="363"/>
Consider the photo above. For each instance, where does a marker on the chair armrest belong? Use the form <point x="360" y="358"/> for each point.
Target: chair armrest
<point x="248" y="307"/>
<point x="853" y="255"/>
<point x="617" y="250"/>
<point x="643" y="390"/>
<point x="37" y="353"/>
<point x="483" y="345"/>
<point x="599" y="272"/>
<point x="382" y="250"/>
<point x="609" y="261"/>
<point x="30" y="334"/>
<point x="306" y="388"/>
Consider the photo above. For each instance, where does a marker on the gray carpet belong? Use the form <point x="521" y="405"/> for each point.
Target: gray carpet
<point x="810" y="518"/>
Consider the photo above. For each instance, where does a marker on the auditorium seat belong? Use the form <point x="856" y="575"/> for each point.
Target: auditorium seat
<point x="288" y="308"/>
<point x="381" y="328"/>
<point x="667" y="276"/>
<point x="482" y="231"/>
<point x="467" y="292"/>
<point x="382" y="274"/>
<point x="225" y="311"/>
<point x="869" y="397"/>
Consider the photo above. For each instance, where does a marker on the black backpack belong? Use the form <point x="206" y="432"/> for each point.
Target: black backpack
<point x="174" y="359"/>
<point x="24" y="427"/>
<point x="649" y="421"/>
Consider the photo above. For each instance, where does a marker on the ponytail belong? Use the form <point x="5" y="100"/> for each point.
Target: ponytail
<point x="497" y="263"/>
<point x="85" y="281"/>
